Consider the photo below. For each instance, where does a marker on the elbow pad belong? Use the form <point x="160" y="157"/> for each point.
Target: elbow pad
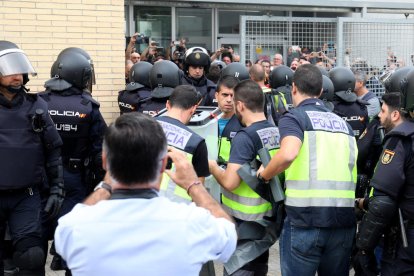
<point x="382" y="210"/>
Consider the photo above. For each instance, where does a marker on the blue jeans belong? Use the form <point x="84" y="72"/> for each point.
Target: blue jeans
<point x="305" y="251"/>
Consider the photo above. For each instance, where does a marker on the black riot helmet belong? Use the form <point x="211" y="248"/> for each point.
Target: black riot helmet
<point x="237" y="70"/>
<point x="197" y="56"/>
<point x="324" y="72"/>
<point x="83" y="53"/>
<point x="281" y="76"/>
<point x="327" y="89"/>
<point x="14" y="61"/>
<point x="70" y="68"/>
<point x="139" y="76"/>
<point x="407" y="89"/>
<point x="342" y="78"/>
<point x="394" y="81"/>
<point x="164" y="77"/>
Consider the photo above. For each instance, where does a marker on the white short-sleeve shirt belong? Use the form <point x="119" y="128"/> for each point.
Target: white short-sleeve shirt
<point x="142" y="237"/>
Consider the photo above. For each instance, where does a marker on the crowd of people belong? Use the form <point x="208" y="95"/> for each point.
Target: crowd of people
<point x="306" y="154"/>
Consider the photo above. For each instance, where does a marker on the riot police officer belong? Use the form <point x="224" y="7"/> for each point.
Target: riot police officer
<point x="281" y="82"/>
<point x="81" y="126"/>
<point x="137" y="90"/>
<point x="390" y="210"/>
<point x="30" y="149"/>
<point x="164" y="77"/>
<point x="196" y="65"/>
<point x="346" y="103"/>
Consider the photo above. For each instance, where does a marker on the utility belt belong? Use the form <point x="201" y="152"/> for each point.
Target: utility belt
<point x="75" y="164"/>
<point x="28" y="190"/>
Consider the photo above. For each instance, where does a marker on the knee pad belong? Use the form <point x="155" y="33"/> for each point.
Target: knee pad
<point x="32" y="258"/>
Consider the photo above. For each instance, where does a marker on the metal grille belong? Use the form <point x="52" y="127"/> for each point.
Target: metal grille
<point x="264" y="36"/>
<point x="377" y="46"/>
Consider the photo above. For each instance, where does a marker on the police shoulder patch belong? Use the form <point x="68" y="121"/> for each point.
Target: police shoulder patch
<point x="387" y="156"/>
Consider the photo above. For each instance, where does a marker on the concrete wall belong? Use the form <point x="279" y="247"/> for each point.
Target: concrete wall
<point x="42" y="28"/>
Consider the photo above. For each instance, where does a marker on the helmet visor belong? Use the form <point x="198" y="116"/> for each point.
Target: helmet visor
<point x="14" y="61"/>
<point x="93" y="79"/>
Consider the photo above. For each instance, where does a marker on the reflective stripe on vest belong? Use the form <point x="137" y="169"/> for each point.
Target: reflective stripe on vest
<point x="308" y="184"/>
<point x="244" y="203"/>
<point x="171" y="190"/>
<point x="224" y="148"/>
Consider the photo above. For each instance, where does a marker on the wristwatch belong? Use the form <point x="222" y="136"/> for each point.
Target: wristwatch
<point x="103" y="185"/>
<point x="260" y="177"/>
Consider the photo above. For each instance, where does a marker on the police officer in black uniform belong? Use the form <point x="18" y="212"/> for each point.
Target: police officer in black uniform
<point x="390" y="210"/>
<point x="346" y="103"/>
<point x="81" y="126"/>
<point x="29" y="151"/>
<point x="196" y="65"/>
<point x="164" y="77"/>
<point x="138" y="89"/>
<point x="281" y="82"/>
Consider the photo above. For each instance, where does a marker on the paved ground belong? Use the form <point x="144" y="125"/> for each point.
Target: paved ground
<point x="274" y="267"/>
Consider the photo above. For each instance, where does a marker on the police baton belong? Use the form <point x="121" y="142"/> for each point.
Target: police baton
<point x="402" y="227"/>
<point x="275" y="186"/>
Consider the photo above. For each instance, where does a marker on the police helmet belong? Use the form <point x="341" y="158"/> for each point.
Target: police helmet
<point x="342" y="78"/>
<point x="220" y="64"/>
<point x="237" y="70"/>
<point x="164" y="77"/>
<point x="393" y="83"/>
<point x="139" y="75"/>
<point x="83" y="53"/>
<point x="74" y="69"/>
<point x="14" y="61"/>
<point x="281" y="76"/>
<point x="407" y="88"/>
<point x="197" y="56"/>
<point x="327" y="89"/>
<point x="324" y="72"/>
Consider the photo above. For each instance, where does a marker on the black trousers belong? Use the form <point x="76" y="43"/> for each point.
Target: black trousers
<point x="21" y="210"/>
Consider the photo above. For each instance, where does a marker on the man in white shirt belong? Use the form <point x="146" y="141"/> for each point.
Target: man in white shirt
<point x="136" y="232"/>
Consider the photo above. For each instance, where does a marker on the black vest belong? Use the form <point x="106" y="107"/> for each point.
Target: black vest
<point x="129" y="101"/>
<point x="152" y="106"/>
<point x="179" y="135"/>
<point x="71" y="114"/>
<point x="204" y="86"/>
<point x="22" y="157"/>
<point x="354" y="113"/>
<point x="406" y="134"/>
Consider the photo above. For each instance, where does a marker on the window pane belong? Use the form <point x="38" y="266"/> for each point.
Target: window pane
<point x="195" y="26"/>
<point x="229" y="21"/>
<point x="154" y="22"/>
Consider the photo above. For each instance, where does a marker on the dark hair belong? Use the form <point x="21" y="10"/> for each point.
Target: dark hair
<point x="250" y="93"/>
<point x="257" y="73"/>
<point x="308" y="80"/>
<point x="393" y="100"/>
<point x="227" y="54"/>
<point x="227" y="81"/>
<point x="184" y="97"/>
<point x="214" y="73"/>
<point x="134" y="144"/>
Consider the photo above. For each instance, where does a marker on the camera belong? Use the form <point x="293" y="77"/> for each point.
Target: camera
<point x="142" y="39"/>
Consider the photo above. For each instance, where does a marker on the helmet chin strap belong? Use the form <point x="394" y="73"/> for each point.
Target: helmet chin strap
<point x="14" y="89"/>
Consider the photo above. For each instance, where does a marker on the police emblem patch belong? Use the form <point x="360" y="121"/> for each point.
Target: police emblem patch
<point x="387" y="157"/>
<point x="197" y="56"/>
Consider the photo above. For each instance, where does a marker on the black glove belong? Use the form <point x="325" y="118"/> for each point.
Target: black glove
<point x="55" y="200"/>
<point x="364" y="263"/>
